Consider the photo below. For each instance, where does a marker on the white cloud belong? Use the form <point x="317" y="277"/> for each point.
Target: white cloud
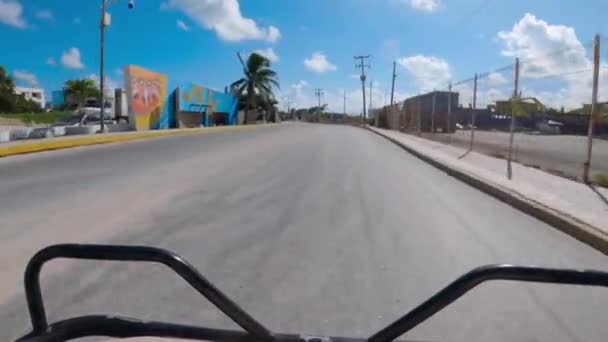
<point x="45" y="14"/>
<point x="355" y="76"/>
<point x="11" y="13"/>
<point x="549" y="55"/>
<point x="109" y="83"/>
<point x="273" y="34"/>
<point x="318" y="63"/>
<point x="225" y="18"/>
<point x="545" y="48"/>
<point x="425" y="5"/>
<point x="51" y="61"/>
<point x="182" y="25"/>
<point x="71" y="59"/>
<point x="268" y="53"/>
<point x="496" y="78"/>
<point x="25" y="77"/>
<point x="428" y="72"/>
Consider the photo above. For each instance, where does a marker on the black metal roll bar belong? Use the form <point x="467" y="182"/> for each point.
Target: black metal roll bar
<point x="253" y="331"/>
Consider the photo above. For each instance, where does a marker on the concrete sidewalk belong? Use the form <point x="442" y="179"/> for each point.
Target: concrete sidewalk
<point x="573" y="207"/>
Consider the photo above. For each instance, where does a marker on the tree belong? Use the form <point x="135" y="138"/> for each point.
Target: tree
<point x="80" y="90"/>
<point x="255" y="88"/>
<point x="7" y="93"/>
<point x="10" y="102"/>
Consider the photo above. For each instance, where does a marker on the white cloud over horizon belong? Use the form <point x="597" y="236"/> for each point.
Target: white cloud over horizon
<point x="319" y="63"/>
<point x="427" y="72"/>
<point x="71" y="59"/>
<point x="268" y="53"/>
<point x="25" y="77"/>
<point x="224" y="18"/>
<point x="425" y="5"/>
<point x="11" y="13"/>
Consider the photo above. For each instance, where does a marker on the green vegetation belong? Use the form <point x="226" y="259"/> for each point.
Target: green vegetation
<point x="255" y="88"/>
<point x="38" y="118"/>
<point x="602" y="179"/>
<point x="80" y="90"/>
<point x="11" y="102"/>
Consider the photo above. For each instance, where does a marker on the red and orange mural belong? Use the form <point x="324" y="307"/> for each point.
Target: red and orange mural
<point x="146" y="94"/>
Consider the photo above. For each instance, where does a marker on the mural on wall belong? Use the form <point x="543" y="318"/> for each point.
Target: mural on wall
<point x="146" y="97"/>
<point x="195" y="98"/>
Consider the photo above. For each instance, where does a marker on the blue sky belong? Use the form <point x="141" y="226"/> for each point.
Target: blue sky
<point x="49" y="41"/>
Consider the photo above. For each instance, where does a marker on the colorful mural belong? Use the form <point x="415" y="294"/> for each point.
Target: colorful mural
<point x="195" y="98"/>
<point x="146" y="98"/>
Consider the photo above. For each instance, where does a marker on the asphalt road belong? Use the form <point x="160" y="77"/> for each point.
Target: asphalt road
<point x="560" y="154"/>
<point x="311" y="228"/>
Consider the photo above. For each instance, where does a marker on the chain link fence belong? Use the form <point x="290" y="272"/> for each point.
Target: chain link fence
<point x="535" y="111"/>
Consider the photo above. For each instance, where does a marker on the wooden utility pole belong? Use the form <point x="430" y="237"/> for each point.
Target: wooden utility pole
<point x="393" y="94"/>
<point x="362" y="66"/>
<point x="513" y="113"/>
<point x="594" y="107"/>
<point x="474" y="104"/>
<point x="319" y="93"/>
<point x="344" y="106"/>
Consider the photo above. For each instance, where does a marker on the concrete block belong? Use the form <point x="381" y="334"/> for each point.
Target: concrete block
<point x="79" y="130"/>
<point x="5" y="136"/>
<point x="58" y="131"/>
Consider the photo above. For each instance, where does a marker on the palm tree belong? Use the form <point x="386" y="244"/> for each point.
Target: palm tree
<point x="80" y="90"/>
<point x="258" y="80"/>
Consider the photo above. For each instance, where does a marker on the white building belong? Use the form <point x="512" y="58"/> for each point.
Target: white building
<point x="33" y="94"/>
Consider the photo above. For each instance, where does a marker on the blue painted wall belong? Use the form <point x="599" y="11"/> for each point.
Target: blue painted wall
<point x="192" y="97"/>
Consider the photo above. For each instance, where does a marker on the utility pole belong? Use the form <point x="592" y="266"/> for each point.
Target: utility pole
<point x="593" y="114"/>
<point x="473" y="113"/>
<point x="393" y="93"/>
<point x="344" y="106"/>
<point x="101" y="67"/>
<point x="449" y="128"/>
<point x="319" y="93"/>
<point x="102" y="26"/>
<point x="512" y="126"/>
<point x="362" y="66"/>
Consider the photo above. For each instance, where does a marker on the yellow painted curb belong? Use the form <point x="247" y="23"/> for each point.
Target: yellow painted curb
<point x="67" y="142"/>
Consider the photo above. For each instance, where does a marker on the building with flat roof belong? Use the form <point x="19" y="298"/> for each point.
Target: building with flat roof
<point x="32" y="94"/>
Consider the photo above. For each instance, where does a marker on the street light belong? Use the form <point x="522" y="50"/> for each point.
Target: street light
<point x="105" y="20"/>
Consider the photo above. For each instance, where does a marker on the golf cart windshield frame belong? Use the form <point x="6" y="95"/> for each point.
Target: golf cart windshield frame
<point x="112" y="326"/>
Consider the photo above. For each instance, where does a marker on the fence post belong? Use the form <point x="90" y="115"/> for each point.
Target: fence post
<point x="592" y="115"/>
<point x="418" y="123"/>
<point x="474" y="104"/>
<point x="433" y="115"/>
<point x="512" y="126"/>
<point x="449" y="128"/>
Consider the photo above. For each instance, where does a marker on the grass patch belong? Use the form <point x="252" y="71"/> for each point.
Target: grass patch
<point x="602" y="179"/>
<point x="39" y="118"/>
